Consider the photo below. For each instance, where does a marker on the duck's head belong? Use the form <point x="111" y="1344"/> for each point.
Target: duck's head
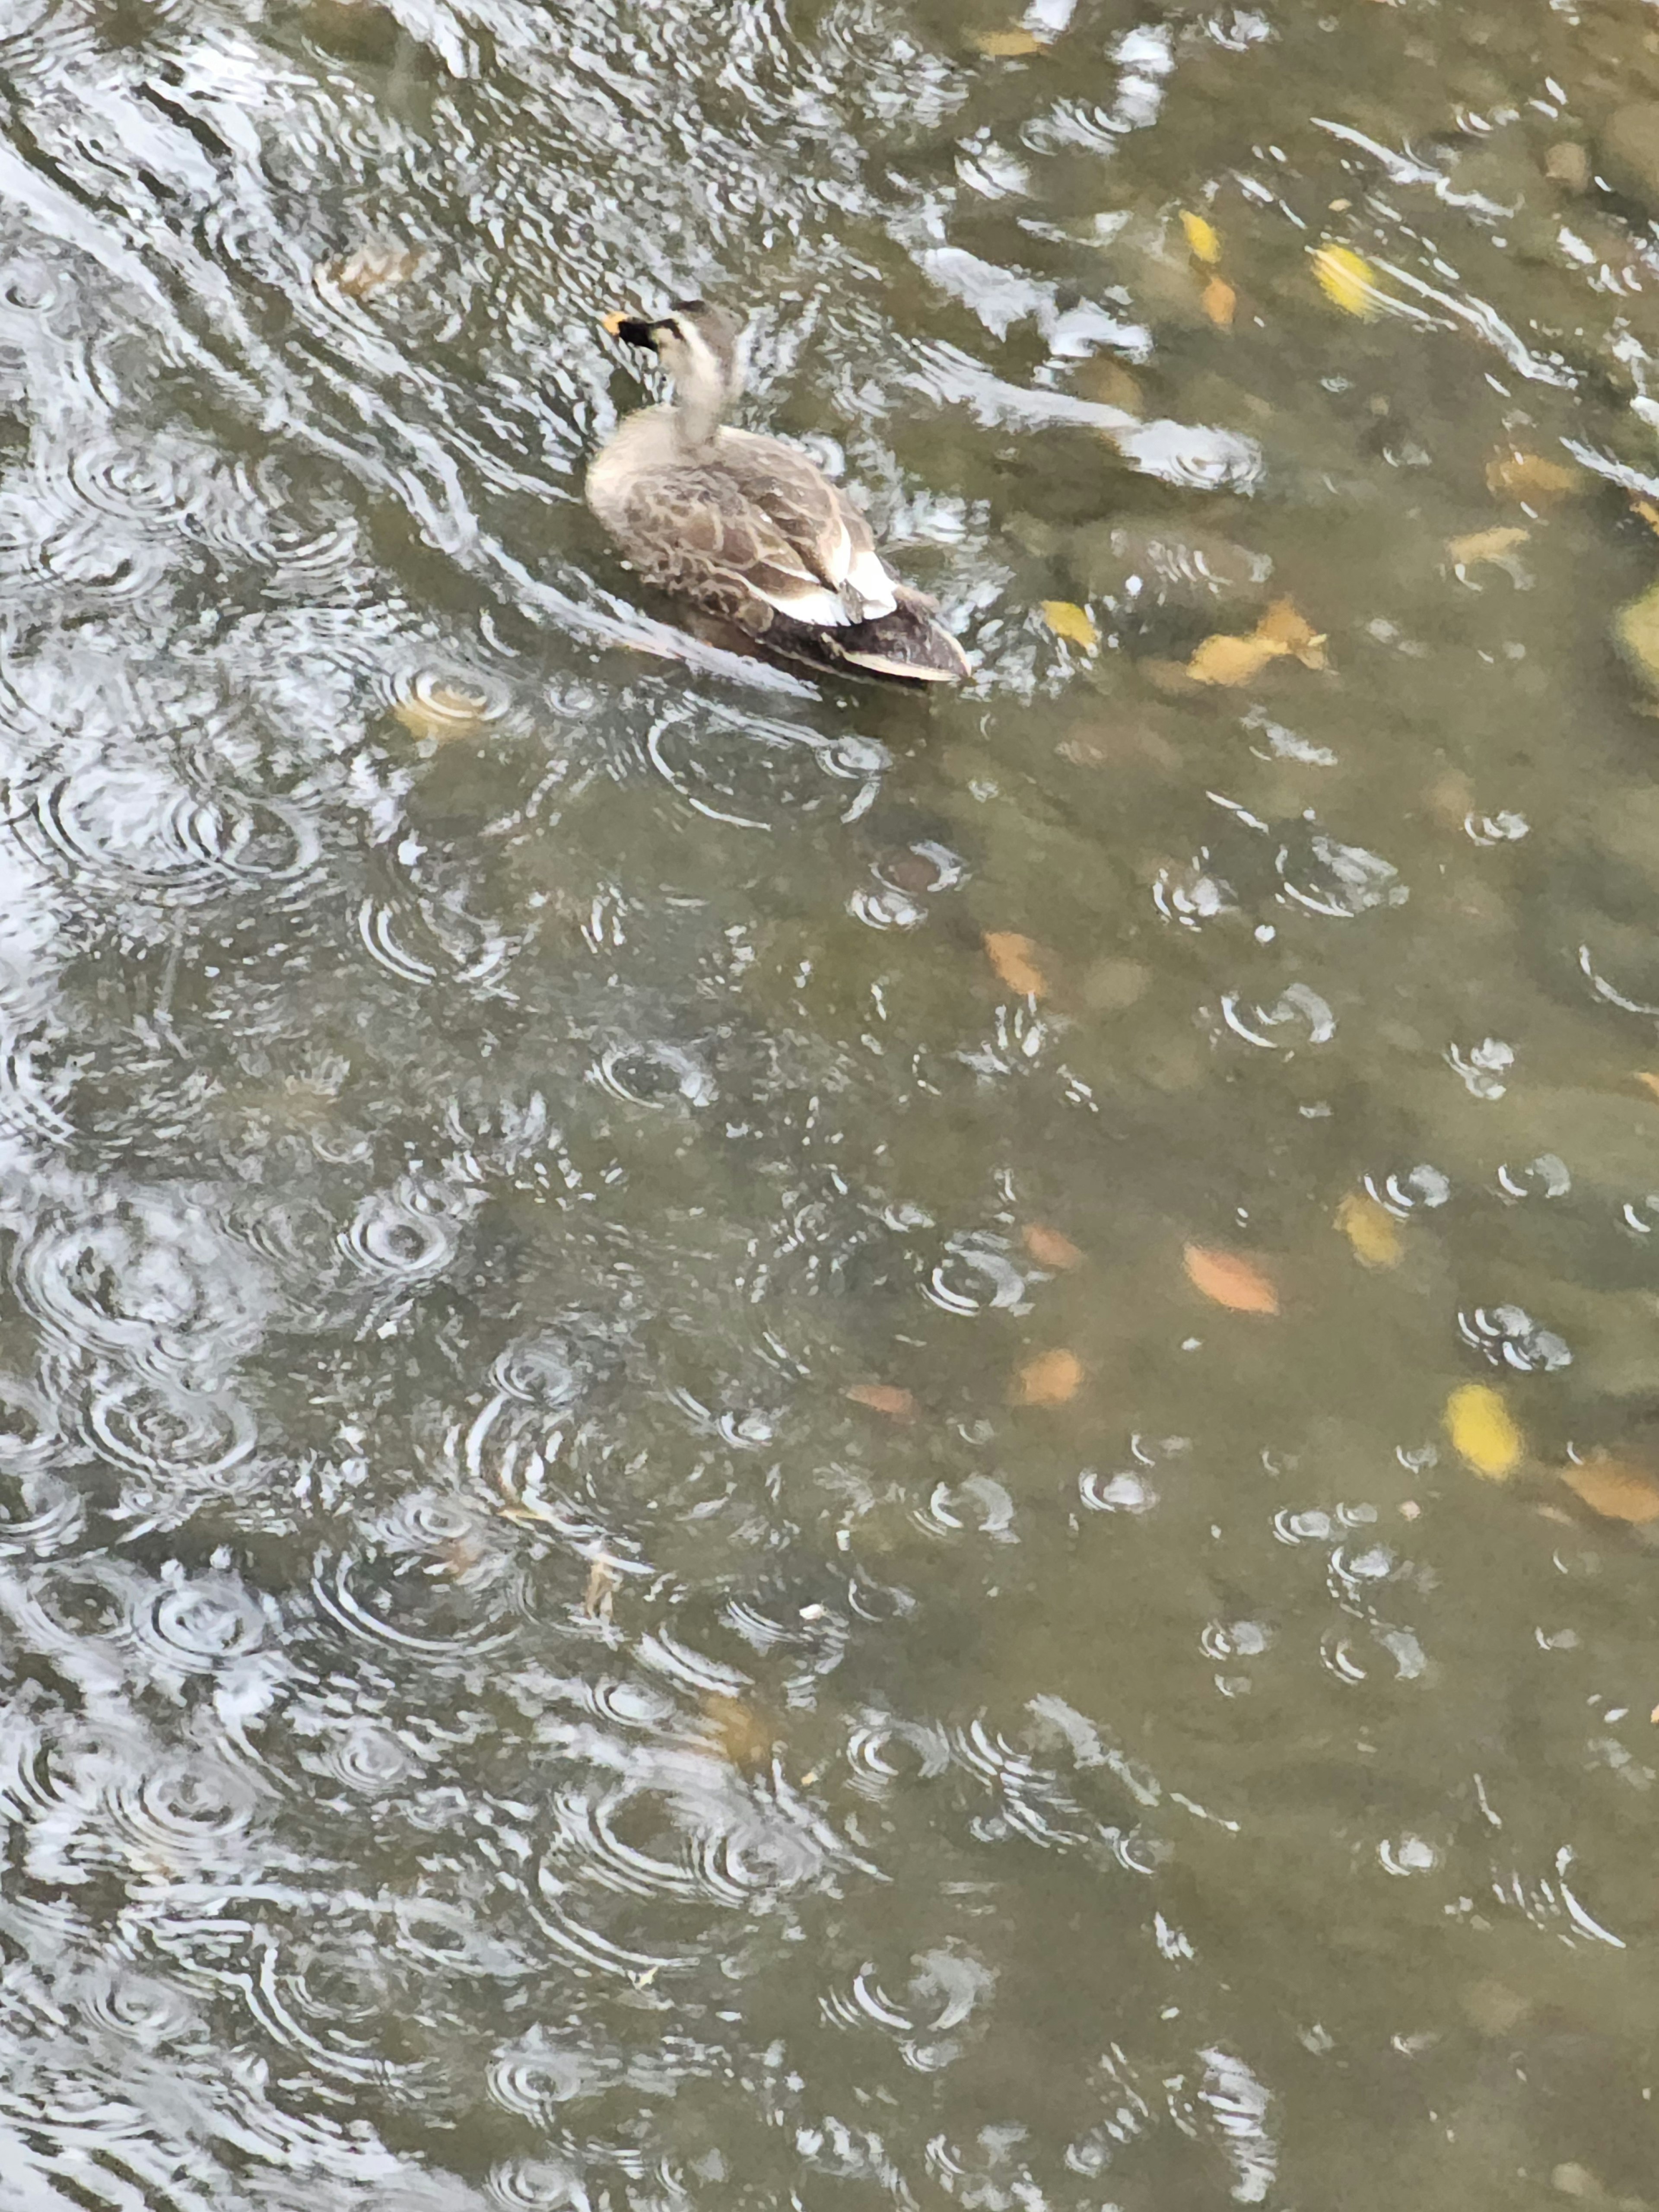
<point x="698" y="345"/>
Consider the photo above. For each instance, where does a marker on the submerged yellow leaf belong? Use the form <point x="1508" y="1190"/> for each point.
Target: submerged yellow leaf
<point x="1293" y="633"/>
<point x="441" y="711"/>
<point x="1483" y="1430"/>
<point x="1203" y="241"/>
<point x="600" y="1595"/>
<point x="1281" y="633"/>
<point x="1071" y="621"/>
<point x="1484" y="545"/>
<point x="738" y="1731"/>
<point x="1048" y="1380"/>
<point x="1530" y="479"/>
<point x="1347" y="280"/>
<point x="378" y="266"/>
<point x="1649" y="1083"/>
<point x="1228" y="1279"/>
<point x="1371" y="1230"/>
<point x="1618" y="1493"/>
<point x="1006" y="45"/>
<point x="1219" y="302"/>
<point x="1012" y="956"/>
<point x="1224" y="660"/>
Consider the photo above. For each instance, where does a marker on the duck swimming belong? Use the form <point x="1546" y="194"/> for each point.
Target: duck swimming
<point x="748" y="529"/>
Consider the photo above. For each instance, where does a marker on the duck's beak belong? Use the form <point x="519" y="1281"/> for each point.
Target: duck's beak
<point x="632" y="329"/>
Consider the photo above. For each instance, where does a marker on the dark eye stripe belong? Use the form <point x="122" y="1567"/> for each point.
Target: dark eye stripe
<point x="673" y="330"/>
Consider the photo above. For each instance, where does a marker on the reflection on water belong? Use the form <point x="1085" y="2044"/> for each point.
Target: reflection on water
<point x="634" y="1571"/>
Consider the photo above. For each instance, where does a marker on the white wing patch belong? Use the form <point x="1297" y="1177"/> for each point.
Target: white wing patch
<point x="870" y="580"/>
<point x="805" y="603"/>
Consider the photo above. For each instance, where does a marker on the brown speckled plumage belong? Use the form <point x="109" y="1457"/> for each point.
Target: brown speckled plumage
<point x="750" y="530"/>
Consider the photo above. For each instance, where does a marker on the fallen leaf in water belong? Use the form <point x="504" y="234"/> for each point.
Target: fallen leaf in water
<point x="1013" y="956"/>
<point x="441" y="711"/>
<point x="600" y="1593"/>
<point x="740" y="1733"/>
<point x="1048" y="1380"/>
<point x="1636" y="630"/>
<point x="1484" y="545"/>
<point x="1227" y="659"/>
<point x="1347" y="280"/>
<point x="1049" y="1248"/>
<point x="1006" y="45"/>
<point x="1651" y="1082"/>
<point x="1071" y="621"/>
<point x="1203" y="240"/>
<point x="1219" y="302"/>
<point x="1410" y="1509"/>
<point x="1618" y="1492"/>
<point x="1529" y="478"/>
<point x="1645" y="509"/>
<point x="1282" y="633"/>
<point x="1228" y="1279"/>
<point x="1371" y="1230"/>
<point x="1293" y="633"/>
<point x="378" y="266"/>
<point x="1569" y="163"/>
<point x="1483" y="1430"/>
<point x="883" y="1398"/>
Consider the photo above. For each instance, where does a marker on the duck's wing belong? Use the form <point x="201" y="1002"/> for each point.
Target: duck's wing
<point x="820" y="524"/>
<point x="705" y="534"/>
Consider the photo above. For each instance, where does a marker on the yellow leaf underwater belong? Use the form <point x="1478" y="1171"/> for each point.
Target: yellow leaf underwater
<point x="1293" y="633"/>
<point x="1484" y="545"/>
<point x="1071" y="621"/>
<point x="1618" y="1493"/>
<point x="1219" y="302"/>
<point x="600" y="1595"/>
<point x="1010" y="955"/>
<point x="1228" y="1279"/>
<point x="378" y="266"/>
<point x="738" y="1731"/>
<point x="1348" y="281"/>
<point x="1529" y="479"/>
<point x="1048" y="1380"/>
<point x="1483" y="1430"/>
<point x="1282" y="633"/>
<point x="1006" y="45"/>
<point x="441" y="711"/>
<point x="1371" y="1230"/>
<point x="1203" y="240"/>
<point x="1224" y="660"/>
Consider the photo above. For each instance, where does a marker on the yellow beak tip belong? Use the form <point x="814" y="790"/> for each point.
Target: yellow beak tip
<point x="613" y="323"/>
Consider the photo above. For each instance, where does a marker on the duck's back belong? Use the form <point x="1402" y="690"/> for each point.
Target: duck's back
<point x="753" y="531"/>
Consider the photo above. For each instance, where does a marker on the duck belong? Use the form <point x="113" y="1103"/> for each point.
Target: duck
<point x="749" y="530"/>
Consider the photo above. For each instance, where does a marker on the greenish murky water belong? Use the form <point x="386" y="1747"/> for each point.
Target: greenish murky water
<point x="489" y="1722"/>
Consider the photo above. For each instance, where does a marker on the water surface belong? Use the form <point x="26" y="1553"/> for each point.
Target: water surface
<point x="489" y="1722"/>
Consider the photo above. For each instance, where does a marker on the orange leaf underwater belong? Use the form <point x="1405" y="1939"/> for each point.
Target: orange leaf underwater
<point x="1621" y="1493"/>
<point x="1048" y="1380"/>
<point x="1012" y="956"/>
<point x="883" y="1398"/>
<point x="1049" y="1248"/>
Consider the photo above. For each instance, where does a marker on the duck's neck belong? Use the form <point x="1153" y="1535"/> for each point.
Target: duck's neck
<point x="701" y="402"/>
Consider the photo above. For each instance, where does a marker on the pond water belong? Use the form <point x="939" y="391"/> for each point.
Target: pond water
<point x="768" y="1445"/>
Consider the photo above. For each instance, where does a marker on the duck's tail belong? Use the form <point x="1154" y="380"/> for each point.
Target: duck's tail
<point x="907" y="645"/>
